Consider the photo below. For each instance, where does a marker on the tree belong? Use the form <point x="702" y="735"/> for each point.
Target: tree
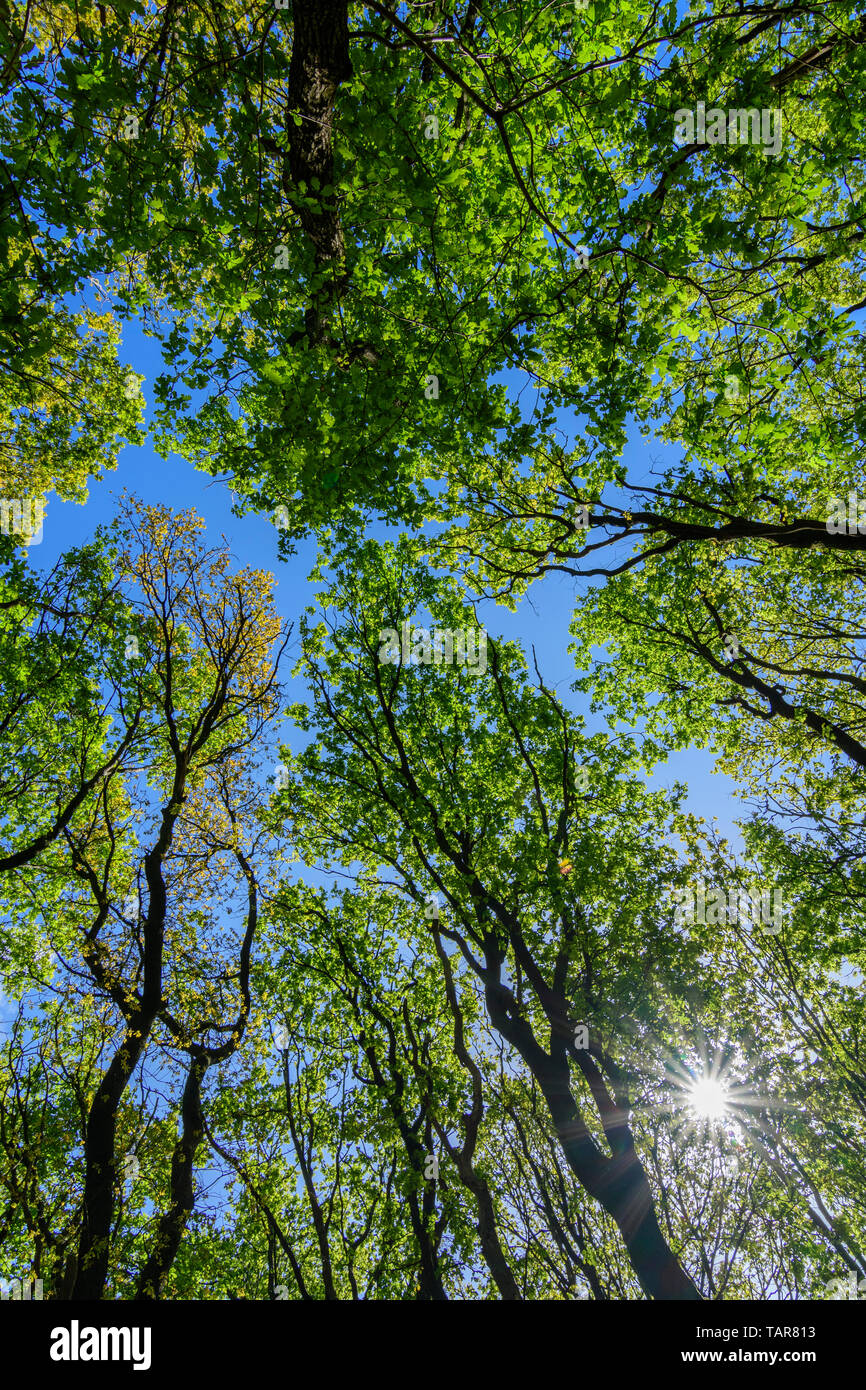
<point x="136" y="884"/>
<point x="393" y="780"/>
<point x="356" y="217"/>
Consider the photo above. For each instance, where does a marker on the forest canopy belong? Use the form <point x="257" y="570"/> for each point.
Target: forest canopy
<point x="347" y="953"/>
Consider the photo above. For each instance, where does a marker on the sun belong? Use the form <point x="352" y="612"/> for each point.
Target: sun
<point x="705" y="1095"/>
<point x="708" y="1098"/>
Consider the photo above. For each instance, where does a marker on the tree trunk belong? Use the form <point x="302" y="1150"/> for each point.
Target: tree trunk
<point x="619" y="1183"/>
<point x="319" y="63"/>
<point x="100" y="1172"/>
<point x="173" y="1223"/>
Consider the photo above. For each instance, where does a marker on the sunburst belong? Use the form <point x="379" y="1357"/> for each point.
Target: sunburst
<point x="708" y="1097"/>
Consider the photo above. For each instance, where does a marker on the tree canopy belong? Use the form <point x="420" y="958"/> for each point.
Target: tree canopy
<point x="403" y="974"/>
